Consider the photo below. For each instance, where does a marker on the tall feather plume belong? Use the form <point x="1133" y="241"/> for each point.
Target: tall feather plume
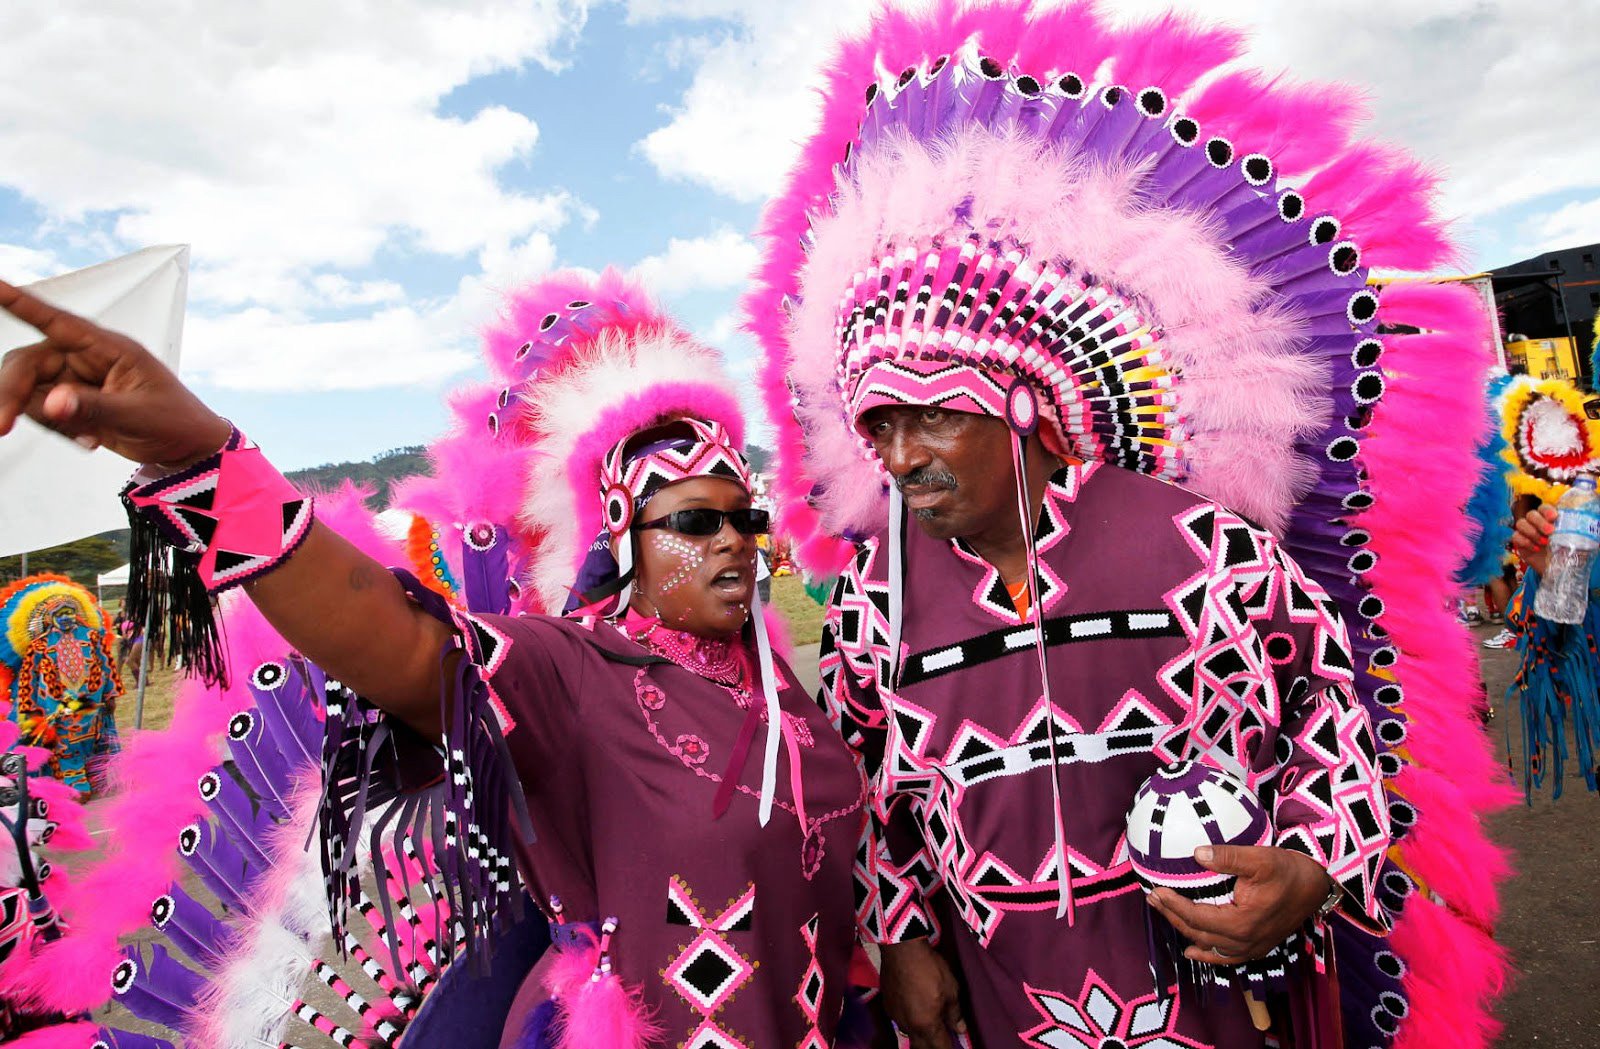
<point x="1341" y="440"/>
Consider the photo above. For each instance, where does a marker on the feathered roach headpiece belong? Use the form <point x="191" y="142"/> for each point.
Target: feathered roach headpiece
<point x="580" y="367"/>
<point x="1028" y="213"/>
<point x="1549" y="436"/>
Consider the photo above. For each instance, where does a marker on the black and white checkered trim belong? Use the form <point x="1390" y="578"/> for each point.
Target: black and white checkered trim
<point x="1063" y="630"/>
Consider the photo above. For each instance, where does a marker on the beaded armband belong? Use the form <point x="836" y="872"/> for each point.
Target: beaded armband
<point x="223" y="521"/>
<point x="232" y="511"/>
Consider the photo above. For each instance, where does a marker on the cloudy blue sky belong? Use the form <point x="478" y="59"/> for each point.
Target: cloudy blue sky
<point x="360" y="179"/>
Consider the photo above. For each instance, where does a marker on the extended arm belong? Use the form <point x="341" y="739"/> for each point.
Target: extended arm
<point x="330" y="601"/>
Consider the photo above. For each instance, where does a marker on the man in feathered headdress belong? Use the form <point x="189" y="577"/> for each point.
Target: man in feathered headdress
<point x="1014" y="292"/>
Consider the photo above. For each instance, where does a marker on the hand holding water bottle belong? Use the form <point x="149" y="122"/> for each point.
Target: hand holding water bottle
<point x="1563" y="595"/>
<point x="1530" y="540"/>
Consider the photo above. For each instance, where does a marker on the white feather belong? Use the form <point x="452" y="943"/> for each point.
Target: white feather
<point x="568" y="407"/>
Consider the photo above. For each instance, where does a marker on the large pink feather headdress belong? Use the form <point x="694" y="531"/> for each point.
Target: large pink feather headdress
<point x="1172" y="253"/>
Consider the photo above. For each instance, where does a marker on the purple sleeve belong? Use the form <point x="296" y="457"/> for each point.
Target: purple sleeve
<point x="1328" y="795"/>
<point x="534" y="680"/>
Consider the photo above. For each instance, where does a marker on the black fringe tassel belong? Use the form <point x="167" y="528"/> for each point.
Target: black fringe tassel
<point x="167" y="600"/>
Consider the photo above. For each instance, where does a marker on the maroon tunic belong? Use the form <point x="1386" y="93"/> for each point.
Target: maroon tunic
<point x="736" y="935"/>
<point x="1176" y="631"/>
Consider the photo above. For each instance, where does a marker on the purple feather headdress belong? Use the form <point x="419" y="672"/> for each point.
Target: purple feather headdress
<point x="1173" y="256"/>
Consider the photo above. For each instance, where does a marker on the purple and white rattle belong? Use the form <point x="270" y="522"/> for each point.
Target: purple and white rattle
<point x="1182" y="807"/>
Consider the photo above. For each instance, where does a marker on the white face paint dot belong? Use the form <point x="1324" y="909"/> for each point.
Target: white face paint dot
<point x="689" y="558"/>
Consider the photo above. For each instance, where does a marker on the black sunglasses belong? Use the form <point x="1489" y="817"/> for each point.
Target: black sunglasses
<point x="704" y="521"/>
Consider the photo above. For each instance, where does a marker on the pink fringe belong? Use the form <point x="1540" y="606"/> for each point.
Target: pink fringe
<point x="1419" y="459"/>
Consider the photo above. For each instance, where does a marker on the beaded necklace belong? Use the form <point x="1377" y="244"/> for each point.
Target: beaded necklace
<point x="722" y="661"/>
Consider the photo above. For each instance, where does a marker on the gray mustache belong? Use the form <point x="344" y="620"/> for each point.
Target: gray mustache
<point x="926" y="477"/>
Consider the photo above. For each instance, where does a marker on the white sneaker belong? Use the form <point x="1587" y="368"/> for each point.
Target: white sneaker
<point x="1504" y="639"/>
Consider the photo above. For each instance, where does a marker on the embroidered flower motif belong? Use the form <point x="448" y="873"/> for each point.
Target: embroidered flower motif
<point x="652" y="697"/>
<point x="693" y="749"/>
<point x="1101" y="1020"/>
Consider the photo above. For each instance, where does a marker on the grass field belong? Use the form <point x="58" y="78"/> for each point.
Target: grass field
<point x="159" y="693"/>
<point x="803" y="614"/>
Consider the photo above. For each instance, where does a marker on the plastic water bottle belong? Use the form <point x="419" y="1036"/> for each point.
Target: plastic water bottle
<point x="1564" y="591"/>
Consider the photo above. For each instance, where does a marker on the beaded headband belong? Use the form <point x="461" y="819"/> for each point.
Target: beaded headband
<point x="628" y="482"/>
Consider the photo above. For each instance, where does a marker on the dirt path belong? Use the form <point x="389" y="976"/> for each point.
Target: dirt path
<point x="1550" y="921"/>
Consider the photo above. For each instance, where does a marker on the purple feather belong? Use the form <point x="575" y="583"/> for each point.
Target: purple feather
<point x="219" y="863"/>
<point x="483" y="564"/>
<point x="238" y="817"/>
<point x="191" y="926"/>
<point x="261" y="764"/>
<point x="157" y="989"/>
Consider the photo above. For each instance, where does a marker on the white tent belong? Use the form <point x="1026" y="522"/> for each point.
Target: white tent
<point x="115" y="577"/>
<point x="55" y="491"/>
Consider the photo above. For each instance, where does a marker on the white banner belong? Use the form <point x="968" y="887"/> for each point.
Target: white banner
<point x="51" y="490"/>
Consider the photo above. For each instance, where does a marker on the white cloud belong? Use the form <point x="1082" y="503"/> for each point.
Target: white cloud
<point x="1576" y="223"/>
<point x="411" y="344"/>
<point x="335" y="289"/>
<point x="24" y="265"/>
<point x="260" y="350"/>
<point x="720" y="261"/>
<point x="1485" y="89"/>
<point x="753" y="100"/>
<point x="293" y="145"/>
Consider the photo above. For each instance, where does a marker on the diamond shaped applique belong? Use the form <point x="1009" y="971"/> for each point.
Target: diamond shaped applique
<point x="709" y="972"/>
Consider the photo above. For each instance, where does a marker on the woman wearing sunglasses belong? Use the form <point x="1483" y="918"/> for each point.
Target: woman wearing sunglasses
<point x="583" y="690"/>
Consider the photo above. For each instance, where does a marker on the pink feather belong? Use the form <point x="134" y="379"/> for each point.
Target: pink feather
<point x="1298" y="125"/>
<point x="1171" y="51"/>
<point x="605" y="1014"/>
<point x="1384" y="198"/>
<point x="525" y="309"/>
<point x="61" y="1036"/>
<point x="571" y="966"/>
<point x="1419" y="534"/>
<point x="1458" y="966"/>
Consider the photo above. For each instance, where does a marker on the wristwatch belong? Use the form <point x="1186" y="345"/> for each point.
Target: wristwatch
<point x="1331" y="904"/>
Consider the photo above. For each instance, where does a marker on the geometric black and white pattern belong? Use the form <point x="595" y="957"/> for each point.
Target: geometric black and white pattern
<point x="1233" y="622"/>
